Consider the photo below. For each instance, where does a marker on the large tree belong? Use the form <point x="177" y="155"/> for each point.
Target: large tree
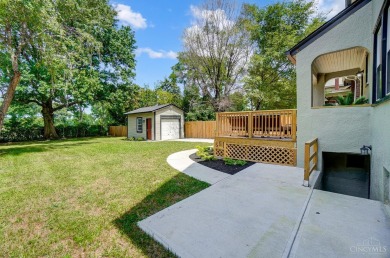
<point x="274" y="29"/>
<point x="216" y="51"/>
<point x="116" y="66"/>
<point x="95" y="63"/>
<point x="25" y="27"/>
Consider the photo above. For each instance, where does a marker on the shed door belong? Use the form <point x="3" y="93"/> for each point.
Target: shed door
<point x="170" y="128"/>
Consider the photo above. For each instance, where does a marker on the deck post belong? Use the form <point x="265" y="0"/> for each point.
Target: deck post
<point x="307" y="164"/>
<point x="294" y="125"/>
<point x="311" y="157"/>
<point x="250" y="125"/>
<point x="315" y="158"/>
<point x="216" y="132"/>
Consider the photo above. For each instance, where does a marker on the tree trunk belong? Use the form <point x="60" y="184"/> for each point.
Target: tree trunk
<point x="9" y="95"/>
<point x="49" y="131"/>
<point x="258" y="105"/>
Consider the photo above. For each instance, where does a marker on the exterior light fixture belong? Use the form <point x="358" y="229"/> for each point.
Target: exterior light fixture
<point x="364" y="150"/>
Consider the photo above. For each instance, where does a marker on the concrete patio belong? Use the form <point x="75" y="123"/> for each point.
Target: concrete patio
<point x="264" y="211"/>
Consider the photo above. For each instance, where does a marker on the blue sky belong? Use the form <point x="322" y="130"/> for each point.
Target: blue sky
<point x="158" y="26"/>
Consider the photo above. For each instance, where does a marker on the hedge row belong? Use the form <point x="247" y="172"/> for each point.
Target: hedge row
<point x="35" y="132"/>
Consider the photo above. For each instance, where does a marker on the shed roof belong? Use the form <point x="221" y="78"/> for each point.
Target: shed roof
<point x="325" y="28"/>
<point x="149" y="109"/>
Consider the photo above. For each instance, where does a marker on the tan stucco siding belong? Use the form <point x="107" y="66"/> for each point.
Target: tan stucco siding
<point x="132" y="125"/>
<point x="338" y="129"/>
<point x="380" y="158"/>
<point x="169" y="111"/>
<point x="376" y="9"/>
<point x="345" y="129"/>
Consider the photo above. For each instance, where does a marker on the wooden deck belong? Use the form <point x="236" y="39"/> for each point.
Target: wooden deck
<point x="259" y="136"/>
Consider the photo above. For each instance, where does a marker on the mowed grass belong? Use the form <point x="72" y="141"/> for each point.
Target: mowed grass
<point x="83" y="198"/>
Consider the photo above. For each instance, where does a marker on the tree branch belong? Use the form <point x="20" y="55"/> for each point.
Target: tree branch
<point x="65" y="105"/>
<point x="26" y="101"/>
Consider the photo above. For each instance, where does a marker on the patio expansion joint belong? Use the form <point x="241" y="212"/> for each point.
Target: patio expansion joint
<point x="294" y="233"/>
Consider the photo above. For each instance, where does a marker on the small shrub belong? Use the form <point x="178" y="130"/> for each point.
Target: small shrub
<point x="131" y="139"/>
<point x="205" y="153"/>
<point x="234" y="162"/>
<point x="140" y="139"/>
<point x="361" y="100"/>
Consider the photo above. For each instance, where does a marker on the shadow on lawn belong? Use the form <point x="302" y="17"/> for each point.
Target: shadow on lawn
<point x="171" y="192"/>
<point x="31" y="147"/>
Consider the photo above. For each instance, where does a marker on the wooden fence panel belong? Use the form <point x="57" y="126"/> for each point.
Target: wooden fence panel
<point x="200" y="129"/>
<point x="118" y="131"/>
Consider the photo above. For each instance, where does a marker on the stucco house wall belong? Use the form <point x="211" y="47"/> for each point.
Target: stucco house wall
<point x="339" y="129"/>
<point x="380" y="124"/>
<point x="380" y="158"/>
<point x="345" y="129"/>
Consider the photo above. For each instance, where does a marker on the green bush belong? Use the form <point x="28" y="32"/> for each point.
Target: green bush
<point x="131" y="139"/>
<point x="205" y="153"/>
<point x="348" y="100"/>
<point x="361" y="100"/>
<point x="22" y="132"/>
<point x="234" y="162"/>
<point x="140" y="139"/>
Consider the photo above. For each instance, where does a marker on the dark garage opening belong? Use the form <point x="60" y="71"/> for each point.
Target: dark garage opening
<point x="346" y="173"/>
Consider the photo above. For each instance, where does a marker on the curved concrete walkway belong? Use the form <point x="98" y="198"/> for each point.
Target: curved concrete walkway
<point x="182" y="162"/>
<point x="264" y="211"/>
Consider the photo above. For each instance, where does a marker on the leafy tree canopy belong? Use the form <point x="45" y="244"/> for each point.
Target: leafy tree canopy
<point x="83" y="57"/>
<point x="271" y="82"/>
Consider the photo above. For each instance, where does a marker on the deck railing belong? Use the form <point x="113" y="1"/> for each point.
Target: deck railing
<point x="311" y="159"/>
<point x="252" y="124"/>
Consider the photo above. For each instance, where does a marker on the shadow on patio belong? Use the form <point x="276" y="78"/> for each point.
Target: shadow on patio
<point x="176" y="189"/>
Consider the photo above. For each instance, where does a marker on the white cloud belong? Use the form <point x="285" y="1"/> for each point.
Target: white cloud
<point x="331" y="7"/>
<point x="129" y="17"/>
<point x="156" y="54"/>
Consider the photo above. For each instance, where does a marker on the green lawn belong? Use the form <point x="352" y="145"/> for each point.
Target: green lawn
<point x="83" y="197"/>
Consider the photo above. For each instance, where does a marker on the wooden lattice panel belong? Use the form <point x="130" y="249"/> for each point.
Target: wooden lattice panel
<point x="274" y="152"/>
<point x="235" y="151"/>
<point x="267" y="154"/>
<point x="218" y="149"/>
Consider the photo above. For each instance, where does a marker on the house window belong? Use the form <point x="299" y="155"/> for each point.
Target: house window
<point x="381" y="87"/>
<point x="366" y="71"/>
<point x="139" y="125"/>
<point x="378" y="65"/>
<point x="388" y="54"/>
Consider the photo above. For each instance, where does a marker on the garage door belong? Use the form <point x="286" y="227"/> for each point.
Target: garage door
<point x="170" y="129"/>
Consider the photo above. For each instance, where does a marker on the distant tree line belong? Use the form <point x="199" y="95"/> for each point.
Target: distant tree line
<point x="234" y="58"/>
<point x="68" y="68"/>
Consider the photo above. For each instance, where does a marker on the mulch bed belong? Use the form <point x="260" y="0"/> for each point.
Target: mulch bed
<point x="219" y="165"/>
